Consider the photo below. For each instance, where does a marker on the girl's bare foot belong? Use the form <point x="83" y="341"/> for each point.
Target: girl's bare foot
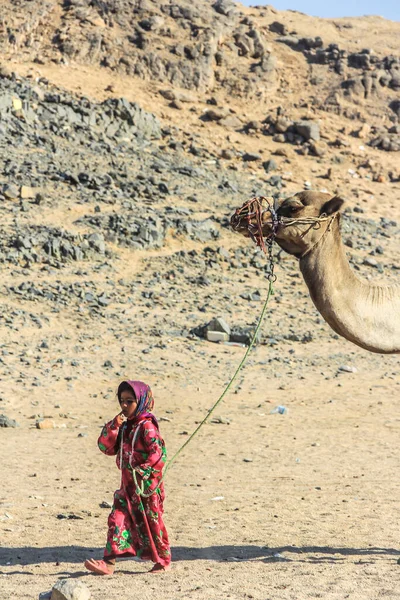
<point x="157" y="568"/>
<point x="100" y="567"/>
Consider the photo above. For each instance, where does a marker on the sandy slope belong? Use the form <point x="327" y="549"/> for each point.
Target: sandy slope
<point x="321" y="489"/>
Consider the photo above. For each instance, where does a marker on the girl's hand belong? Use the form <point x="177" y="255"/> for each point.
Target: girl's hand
<point x="119" y="419"/>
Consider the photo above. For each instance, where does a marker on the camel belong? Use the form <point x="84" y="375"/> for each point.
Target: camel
<point x="366" y="314"/>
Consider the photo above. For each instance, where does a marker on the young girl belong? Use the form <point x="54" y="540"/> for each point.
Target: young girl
<point x="135" y="524"/>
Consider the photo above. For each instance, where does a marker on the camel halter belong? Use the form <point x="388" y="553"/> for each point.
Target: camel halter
<point x="254" y="208"/>
<point x="323" y="217"/>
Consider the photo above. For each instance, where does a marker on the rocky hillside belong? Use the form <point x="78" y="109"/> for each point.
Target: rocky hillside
<point x="129" y="133"/>
<point x="227" y="55"/>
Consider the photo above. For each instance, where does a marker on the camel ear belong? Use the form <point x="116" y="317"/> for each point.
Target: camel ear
<point x="332" y="206"/>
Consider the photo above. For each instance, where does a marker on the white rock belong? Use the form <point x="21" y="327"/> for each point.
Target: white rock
<point x="347" y="369"/>
<point x="70" y="589"/>
<point x="217" y="336"/>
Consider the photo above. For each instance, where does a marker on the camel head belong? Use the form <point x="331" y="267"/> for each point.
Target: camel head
<point x="301" y="220"/>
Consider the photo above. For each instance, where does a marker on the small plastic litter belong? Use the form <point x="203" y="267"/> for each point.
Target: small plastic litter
<point x="280" y="410"/>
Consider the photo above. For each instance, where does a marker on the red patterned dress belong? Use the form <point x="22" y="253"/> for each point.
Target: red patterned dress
<point x="135" y="524"/>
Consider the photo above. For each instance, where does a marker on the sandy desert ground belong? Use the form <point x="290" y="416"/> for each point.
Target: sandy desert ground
<point x="300" y="505"/>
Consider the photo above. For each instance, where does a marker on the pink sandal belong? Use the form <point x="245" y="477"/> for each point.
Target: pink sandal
<point x="100" y="567"/>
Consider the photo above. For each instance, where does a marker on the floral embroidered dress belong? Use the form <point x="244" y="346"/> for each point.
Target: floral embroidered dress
<point x="135" y="524"/>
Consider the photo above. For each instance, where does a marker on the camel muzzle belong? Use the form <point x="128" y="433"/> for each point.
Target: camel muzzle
<point x="252" y="220"/>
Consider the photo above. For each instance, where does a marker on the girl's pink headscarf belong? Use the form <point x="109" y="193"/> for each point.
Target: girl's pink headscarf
<point x="145" y="400"/>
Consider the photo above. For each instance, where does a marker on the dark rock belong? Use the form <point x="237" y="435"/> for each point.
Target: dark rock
<point x="10" y="191"/>
<point x="289" y="40"/>
<point x="71" y="516"/>
<point x="279" y="28"/>
<point x="275" y="180"/>
<point x="371" y="262"/>
<point x="7" y="422"/>
<point x="243" y="335"/>
<point x="218" y="324"/>
<point x="251" y="156"/>
<point x="228" y="154"/>
<point x="359" y="60"/>
<point x="308" y="130"/>
<point x="269" y="165"/>
<point x="103" y="300"/>
<point x="225" y="7"/>
<point x="202" y="231"/>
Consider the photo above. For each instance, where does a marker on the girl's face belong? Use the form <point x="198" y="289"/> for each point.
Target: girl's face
<point x="128" y="404"/>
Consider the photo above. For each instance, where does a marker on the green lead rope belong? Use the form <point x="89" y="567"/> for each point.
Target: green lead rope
<point x="140" y="488"/>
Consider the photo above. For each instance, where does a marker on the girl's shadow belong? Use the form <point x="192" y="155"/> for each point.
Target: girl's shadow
<point x="310" y="554"/>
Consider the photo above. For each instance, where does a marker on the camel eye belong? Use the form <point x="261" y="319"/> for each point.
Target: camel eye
<point x="289" y="209"/>
<point x="294" y="208"/>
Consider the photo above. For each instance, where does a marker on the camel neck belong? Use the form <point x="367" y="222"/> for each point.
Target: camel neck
<point x="364" y="313"/>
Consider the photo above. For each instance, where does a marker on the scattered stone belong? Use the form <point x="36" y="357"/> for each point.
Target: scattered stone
<point x="228" y="154"/>
<point x="215" y="114"/>
<point x="269" y="165"/>
<point x="251" y="156"/>
<point x="318" y="148"/>
<point x="371" y="262"/>
<point x="45" y="424"/>
<point x="70" y="589"/>
<point x="364" y="131"/>
<point x="176" y="104"/>
<point x="7" y="422"/>
<point x="220" y="421"/>
<point x="17" y="104"/>
<point x="217" y="336"/>
<point x="10" y="192"/>
<point x="347" y="369"/>
<point x="277" y="27"/>
<point x="231" y="121"/>
<point x="308" y="130"/>
<point x="225" y="7"/>
<point x="27" y="193"/>
<point x="218" y="324"/>
<point x="243" y="335"/>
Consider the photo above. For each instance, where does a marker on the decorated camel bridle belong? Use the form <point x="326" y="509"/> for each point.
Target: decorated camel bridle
<point x="254" y="209"/>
